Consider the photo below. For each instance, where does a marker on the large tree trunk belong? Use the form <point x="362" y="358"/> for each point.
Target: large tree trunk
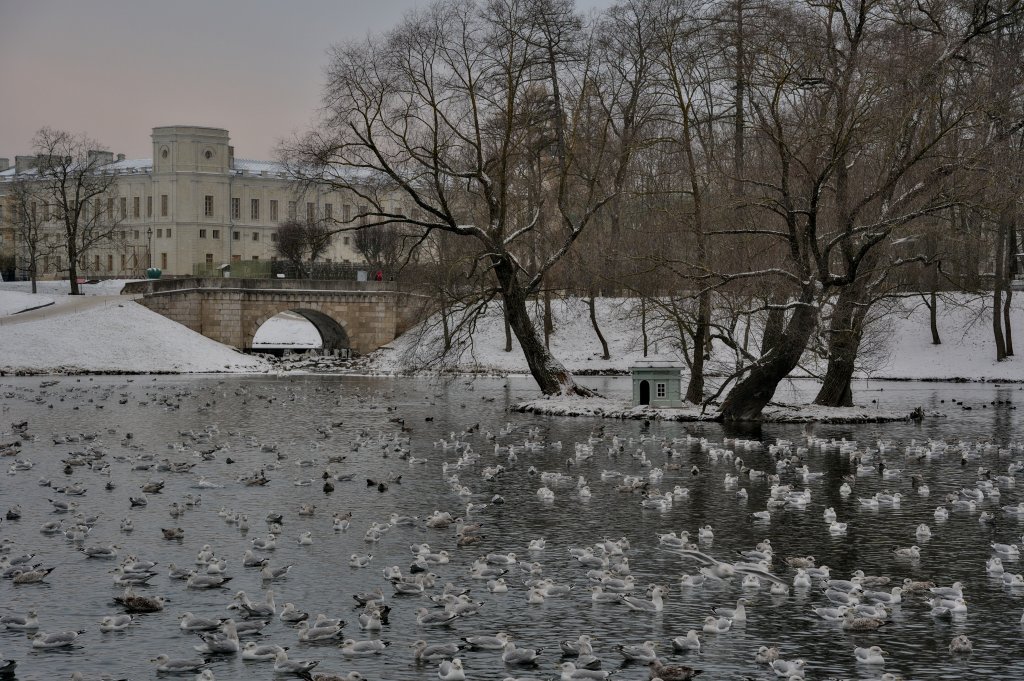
<point x="933" y="317"/>
<point x="846" y="329"/>
<point x="551" y="376"/>
<point x="695" y="387"/>
<point x="748" y="397"/>
<point x="774" y="324"/>
<point x="597" y="329"/>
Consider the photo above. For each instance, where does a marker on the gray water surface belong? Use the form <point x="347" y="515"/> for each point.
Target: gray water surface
<point x="356" y="416"/>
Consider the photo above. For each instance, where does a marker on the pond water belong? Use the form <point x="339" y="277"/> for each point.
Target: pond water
<point x="310" y="419"/>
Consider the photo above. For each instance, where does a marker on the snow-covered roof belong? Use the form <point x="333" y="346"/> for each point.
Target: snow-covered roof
<point x="253" y="166"/>
<point x="657" y="362"/>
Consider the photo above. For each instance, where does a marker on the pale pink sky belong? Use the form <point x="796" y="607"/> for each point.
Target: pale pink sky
<point x="117" y="68"/>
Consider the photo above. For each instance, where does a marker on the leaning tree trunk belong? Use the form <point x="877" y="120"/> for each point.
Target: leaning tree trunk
<point x="846" y="329"/>
<point x="933" y="318"/>
<point x="597" y="329"/>
<point x="748" y="397"/>
<point x="551" y="375"/>
<point x="549" y="325"/>
<point x="774" y="325"/>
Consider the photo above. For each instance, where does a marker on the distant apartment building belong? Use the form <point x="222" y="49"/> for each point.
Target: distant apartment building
<point x="192" y="206"/>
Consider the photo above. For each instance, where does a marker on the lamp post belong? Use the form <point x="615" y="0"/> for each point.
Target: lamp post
<point x="149" y="248"/>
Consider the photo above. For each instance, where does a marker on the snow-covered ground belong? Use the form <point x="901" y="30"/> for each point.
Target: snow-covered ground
<point x="106" y="287"/>
<point x="12" y="302"/>
<point x="967" y="350"/>
<point x="103" y="333"/>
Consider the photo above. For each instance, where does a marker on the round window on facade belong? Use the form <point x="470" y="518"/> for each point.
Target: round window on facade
<point x="208" y="154"/>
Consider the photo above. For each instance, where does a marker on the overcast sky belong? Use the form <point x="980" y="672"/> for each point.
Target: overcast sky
<point x="117" y="68"/>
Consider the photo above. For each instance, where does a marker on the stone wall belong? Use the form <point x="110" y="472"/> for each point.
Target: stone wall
<point x="363" y="320"/>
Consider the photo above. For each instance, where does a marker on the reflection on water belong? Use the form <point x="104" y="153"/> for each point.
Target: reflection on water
<point x="315" y="418"/>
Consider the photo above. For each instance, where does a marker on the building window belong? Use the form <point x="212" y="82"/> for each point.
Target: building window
<point x="124" y="262"/>
<point x="168" y="232"/>
<point x="346" y="212"/>
<point x="124" y="207"/>
<point x="136" y="206"/>
<point x="291" y="210"/>
<point x="209" y="258"/>
<point x="273" y="210"/>
<point x="328" y="211"/>
<point x="255" y="257"/>
<point x="163" y="205"/>
<point x="273" y="237"/>
<point x="33" y="211"/>
<point x="124" y="235"/>
<point x="363" y="210"/>
<point x="96" y="264"/>
<point x="208" y="206"/>
<point x="136" y="234"/>
<point x="237" y="236"/>
<point x="110" y="262"/>
<point x="660" y="389"/>
<point x="163" y="261"/>
<point x="255" y="236"/>
<point x="46" y="212"/>
<point x="216" y="234"/>
<point x="310" y="212"/>
<point x="110" y="209"/>
<point x="149" y="206"/>
<point x="236" y="209"/>
<point x="254" y="209"/>
<point x="202" y="234"/>
<point x="159" y="234"/>
<point x="236" y="257"/>
<point x="345" y="240"/>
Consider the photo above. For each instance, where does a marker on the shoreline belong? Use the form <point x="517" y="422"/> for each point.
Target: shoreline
<point x="599" y="407"/>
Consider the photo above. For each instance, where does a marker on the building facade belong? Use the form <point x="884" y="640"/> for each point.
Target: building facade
<point x="190" y="208"/>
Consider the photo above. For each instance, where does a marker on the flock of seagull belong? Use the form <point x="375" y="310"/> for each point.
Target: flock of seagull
<point x="440" y="606"/>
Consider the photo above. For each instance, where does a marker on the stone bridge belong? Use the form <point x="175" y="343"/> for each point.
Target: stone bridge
<point x="361" y="316"/>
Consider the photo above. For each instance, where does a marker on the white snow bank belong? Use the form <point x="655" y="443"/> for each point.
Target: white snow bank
<point x="617" y="409"/>
<point x="13" y="302"/>
<point x="111" y="335"/>
<point x="967" y="351"/>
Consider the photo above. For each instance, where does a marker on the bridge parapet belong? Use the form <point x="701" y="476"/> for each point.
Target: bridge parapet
<point x="178" y="284"/>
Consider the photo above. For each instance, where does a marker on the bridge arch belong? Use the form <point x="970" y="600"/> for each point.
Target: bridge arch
<point x="333" y="334"/>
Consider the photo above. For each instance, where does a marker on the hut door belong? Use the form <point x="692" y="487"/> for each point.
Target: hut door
<point x="645" y="392"/>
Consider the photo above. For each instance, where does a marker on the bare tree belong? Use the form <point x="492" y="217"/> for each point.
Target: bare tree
<point x="302" y="242"/>
<point x="381" y="246"/>
<point x="430" y="112"/>
<point x="28" y="212"/>
<point x="70" y="175"/>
